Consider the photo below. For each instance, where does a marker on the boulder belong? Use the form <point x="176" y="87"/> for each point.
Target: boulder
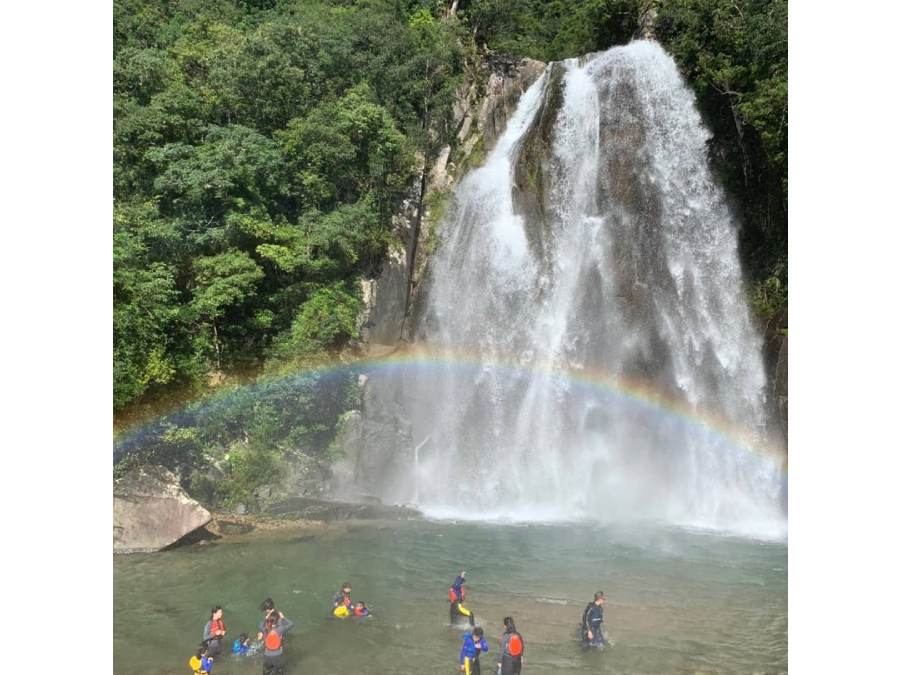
<point x="152" y="511"/>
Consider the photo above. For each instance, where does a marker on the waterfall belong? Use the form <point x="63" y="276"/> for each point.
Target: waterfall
<point x="588" y="273"/>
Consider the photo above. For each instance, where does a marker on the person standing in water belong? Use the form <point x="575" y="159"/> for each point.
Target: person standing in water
<point x="474" y="644"/>
<point x="457" y="595"/>
<point x="271" y="632"/>
<point x="214" y="632"/>
<point x="512" y="647"/>
<point x="592" y="623"/>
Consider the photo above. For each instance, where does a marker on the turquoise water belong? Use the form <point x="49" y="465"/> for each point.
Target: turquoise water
<point x="677" y="601"/>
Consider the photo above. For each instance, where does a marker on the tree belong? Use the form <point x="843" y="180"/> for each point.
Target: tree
<point x="145" y="305"/>
<point x="220" y="282"/>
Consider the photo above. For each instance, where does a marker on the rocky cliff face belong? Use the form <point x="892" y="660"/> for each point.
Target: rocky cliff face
<point x="776" y="357"/>
<point x="484" y="104"/>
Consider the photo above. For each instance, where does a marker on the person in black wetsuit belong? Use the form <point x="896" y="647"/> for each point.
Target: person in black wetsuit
<point x="456" y="596"/>
<point x="512" y="647"/>
<point x="592" y="623"/>
<point x="214" y="632"/>
<point x="271" y="632"/>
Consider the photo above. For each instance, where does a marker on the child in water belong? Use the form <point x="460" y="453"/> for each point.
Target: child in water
<point x="474" y="644"/>
<point x="200" y="663"/>
<point x="342" y="605"/>
<point x="361" y="610"/>
<point x="242" y="646"/>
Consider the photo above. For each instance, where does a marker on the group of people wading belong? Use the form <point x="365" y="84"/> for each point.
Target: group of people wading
<point x="274" y="625"/>
<point x="270" y="641"/>
<point x="512" y="644"/>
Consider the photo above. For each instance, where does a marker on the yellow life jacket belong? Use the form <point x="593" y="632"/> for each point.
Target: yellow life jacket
<point x="195" y="665"/>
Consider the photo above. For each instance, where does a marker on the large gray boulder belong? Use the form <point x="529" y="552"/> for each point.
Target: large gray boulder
<point x="152" y="511"/>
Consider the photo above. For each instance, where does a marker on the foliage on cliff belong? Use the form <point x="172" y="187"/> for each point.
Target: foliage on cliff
<point x="260" y="149"/>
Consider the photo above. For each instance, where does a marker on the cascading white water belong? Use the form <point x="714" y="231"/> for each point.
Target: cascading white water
<point x="594" y="240"/>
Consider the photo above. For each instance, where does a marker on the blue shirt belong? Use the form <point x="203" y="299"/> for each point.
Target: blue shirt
<point x="470" y="649"/>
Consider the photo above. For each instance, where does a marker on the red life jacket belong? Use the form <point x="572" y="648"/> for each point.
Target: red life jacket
<point x="453" y="597"/>
<point x="273" y="641"/>
<point x="217" y="624"/>
<point x="515" y="645"/>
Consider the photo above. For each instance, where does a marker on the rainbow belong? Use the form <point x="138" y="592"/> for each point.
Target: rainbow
<point x="419" y="358"/>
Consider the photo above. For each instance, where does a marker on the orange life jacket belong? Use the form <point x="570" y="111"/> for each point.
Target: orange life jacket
<point x="515" y="645"/>
<point x="273" y="641"/>
<point x="454" y="597"/>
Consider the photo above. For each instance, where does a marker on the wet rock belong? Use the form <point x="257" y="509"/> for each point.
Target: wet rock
<point x="230" y="527"/>
<point x="384" y="301"/>
<point x="532" y="164"/>
<point x="346" y="446"/>
<point x="508" y="80"/>
<point x="780" y="389"/>
<point x="775" y="354"/>
<point x="151" y="511"/>
<point x="375" y="444"/>
<point x="303" y="475"/>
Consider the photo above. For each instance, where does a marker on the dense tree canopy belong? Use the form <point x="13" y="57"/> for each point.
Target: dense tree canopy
<point x="260" y="149"/>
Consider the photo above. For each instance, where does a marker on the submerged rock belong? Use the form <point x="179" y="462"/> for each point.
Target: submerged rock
<point x="320" y="509"/>
<point x="152" y="511"/>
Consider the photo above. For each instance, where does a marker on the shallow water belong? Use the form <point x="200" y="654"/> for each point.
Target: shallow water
<point x="677" y="601"/>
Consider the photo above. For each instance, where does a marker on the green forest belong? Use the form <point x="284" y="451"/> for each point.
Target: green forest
<point x="261" y="148"/>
